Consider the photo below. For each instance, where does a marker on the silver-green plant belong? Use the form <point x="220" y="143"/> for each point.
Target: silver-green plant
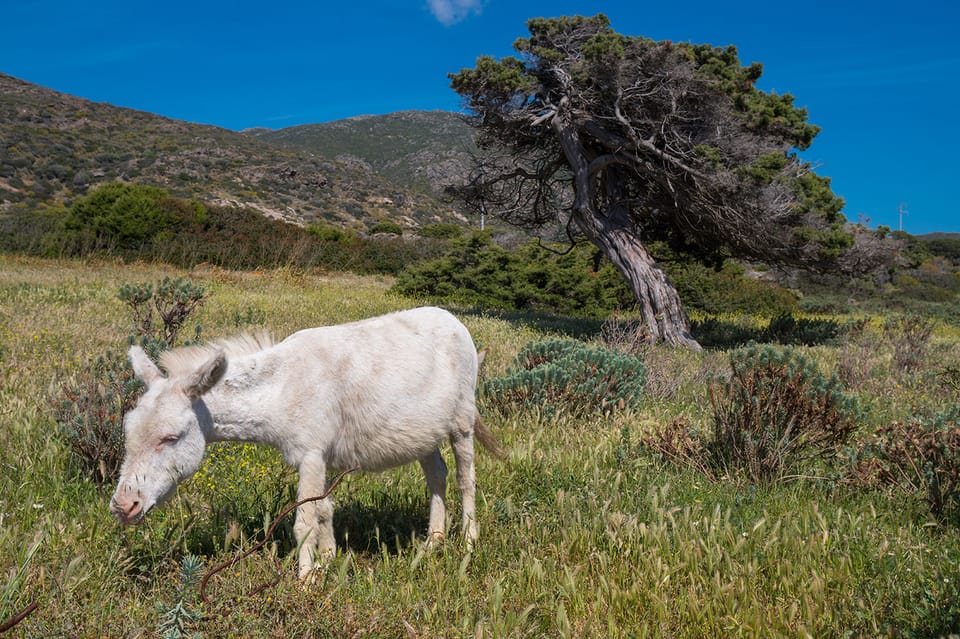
<point x="178" y="617"/>
<point x="568" y="376"/>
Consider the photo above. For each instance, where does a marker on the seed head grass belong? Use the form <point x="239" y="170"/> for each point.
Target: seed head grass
<point x="583" y="532"/>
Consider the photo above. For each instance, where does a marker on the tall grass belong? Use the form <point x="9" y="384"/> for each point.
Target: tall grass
<point x="583" y="532"/>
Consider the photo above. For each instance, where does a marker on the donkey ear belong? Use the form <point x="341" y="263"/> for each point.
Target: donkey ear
<point x="204" y="378"/>
<point x="143" y="367"/>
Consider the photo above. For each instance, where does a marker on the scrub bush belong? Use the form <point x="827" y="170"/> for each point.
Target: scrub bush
<point x="92" y="405"/>
<point x="775" y="412"/>
<point x="920" y="455"/>
<point x="567" y="376"/>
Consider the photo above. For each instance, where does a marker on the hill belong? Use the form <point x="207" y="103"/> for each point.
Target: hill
<point x="426" y="150"/>
<point x="56" y="147"/>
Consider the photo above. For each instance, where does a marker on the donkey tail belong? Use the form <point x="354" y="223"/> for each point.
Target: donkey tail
<point x="485" y="437"/>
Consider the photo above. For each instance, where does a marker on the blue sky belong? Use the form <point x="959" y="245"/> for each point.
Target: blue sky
<point x="882" y="78"/>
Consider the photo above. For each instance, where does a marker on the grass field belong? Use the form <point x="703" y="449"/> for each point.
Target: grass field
<point x="584" y="532"/>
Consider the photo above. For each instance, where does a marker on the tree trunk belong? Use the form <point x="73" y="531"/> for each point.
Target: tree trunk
<point x="614" y="232"/>
<point x="660" y="306"/>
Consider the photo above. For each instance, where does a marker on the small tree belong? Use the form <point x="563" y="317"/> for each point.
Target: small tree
<point x="626" y="140"/>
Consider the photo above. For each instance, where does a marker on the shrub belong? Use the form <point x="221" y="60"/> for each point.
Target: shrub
<point x="129" y="215"/>
<point x="390" y="228"/>
<point x="477" y="272"/>
<point x="857" y="357"/>
<point x="92" y="406"/>
<point x="90" y="414"/>
<point x="679" y="443"/>
<point x="787" y="329"/>
<point x="727" y="289"/>
<point x="920" y="456"/>
<point x="713" y="332"/>
<point x="441" y="231"/>
<point x="174" y="300"/>
<point x="775" y="412"/>
<point x="624" y="334"/>
<point x="331" y="233"/>
<point x="568" y="376"/>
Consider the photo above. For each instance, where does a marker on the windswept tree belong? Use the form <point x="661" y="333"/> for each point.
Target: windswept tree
<point x="629" y="141"/>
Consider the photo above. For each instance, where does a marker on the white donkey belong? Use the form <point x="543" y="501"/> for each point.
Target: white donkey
<point x="372" y="394"/>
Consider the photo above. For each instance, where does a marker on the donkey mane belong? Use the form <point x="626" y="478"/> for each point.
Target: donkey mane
<point x="186" y="359"/>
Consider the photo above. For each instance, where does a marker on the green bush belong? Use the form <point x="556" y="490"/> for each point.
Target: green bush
<point x="713" y="332"/>
<point x="728" y="290"/>
<point x="390" y="228"/>
<point x="441" y="231"/>
<point x="476" y="272"/>
<point x="567" y="376"/>
<point x="129" y="215"/>
<point x="776" y="412"/>
<point x="92" y="405"/>
<point x="331" y="233"/>
<point x="787" y="329"/>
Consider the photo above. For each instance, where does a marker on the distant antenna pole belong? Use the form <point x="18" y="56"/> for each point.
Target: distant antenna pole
<point x="903" y="211"/>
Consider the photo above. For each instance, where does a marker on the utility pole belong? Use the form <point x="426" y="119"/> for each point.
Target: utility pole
<point x="903" y="211"/>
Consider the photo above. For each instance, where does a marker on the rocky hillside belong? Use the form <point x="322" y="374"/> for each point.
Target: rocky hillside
<point x="425" y="150"/>
<point x="54" y="147"/>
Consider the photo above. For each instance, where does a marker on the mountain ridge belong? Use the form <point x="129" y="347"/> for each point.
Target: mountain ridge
<point x="54" y="147"/>
<point x="426" y="150"/>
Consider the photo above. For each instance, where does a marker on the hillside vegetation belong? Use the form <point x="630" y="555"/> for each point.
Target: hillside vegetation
<point x="605" y="519"/>
<point x="426" y="149"/>
<point x="56" y="147"/>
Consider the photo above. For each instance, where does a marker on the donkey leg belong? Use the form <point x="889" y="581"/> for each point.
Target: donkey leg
<point x="467" y="482"/>
<point x="435" y="470"/>
<point x="313" y="528"/>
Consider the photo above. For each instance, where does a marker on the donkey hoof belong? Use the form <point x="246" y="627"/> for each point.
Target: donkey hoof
<point x="435" y="538"/>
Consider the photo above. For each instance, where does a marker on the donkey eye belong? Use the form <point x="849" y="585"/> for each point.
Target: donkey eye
<point x="169" y="439"/>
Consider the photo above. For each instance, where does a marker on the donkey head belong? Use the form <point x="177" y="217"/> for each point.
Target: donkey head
<point x="163" y="434"/>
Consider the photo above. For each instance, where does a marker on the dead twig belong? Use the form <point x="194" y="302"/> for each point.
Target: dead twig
<point x="17" y="618"/>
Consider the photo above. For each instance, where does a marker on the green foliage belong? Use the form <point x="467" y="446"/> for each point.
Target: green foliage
<point x="728" y="290"/>
<point x="225" y="236"/>
<point x="331" y="233"/>
<point x="92" y="405"/>
<point x="947" y="246"/>
<point x="601" y="520"/>
<point x="788" y="329"/>
<point x="920" y="455"/>
<point x="776" y="412"/>
<point x="719" y="332"/>
<point x="442" y="231"/>
<point x="567" y="376"/>
<point x="477" y="272"/>
<point x="129" y="215"/>
<point x="390" y="228"/>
